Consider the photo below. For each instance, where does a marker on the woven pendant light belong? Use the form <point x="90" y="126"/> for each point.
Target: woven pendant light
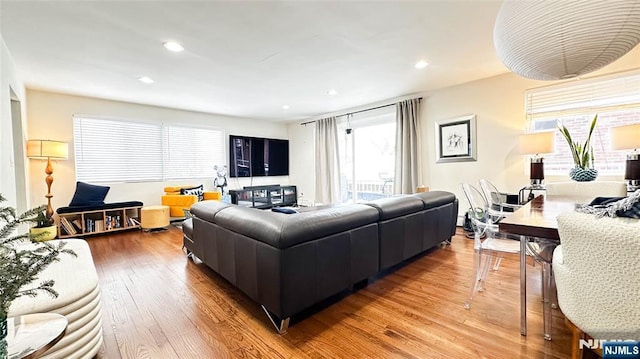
<point x="553" y="40"/>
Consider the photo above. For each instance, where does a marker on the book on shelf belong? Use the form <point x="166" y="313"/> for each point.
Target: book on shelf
<point x="66" y="225"/>
<point x="77" y="224"/>
<point x="88" y="225"/>
<point x="99" y="225"/>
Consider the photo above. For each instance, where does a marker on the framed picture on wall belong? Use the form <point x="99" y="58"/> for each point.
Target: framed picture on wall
<point x="456" y="139"/>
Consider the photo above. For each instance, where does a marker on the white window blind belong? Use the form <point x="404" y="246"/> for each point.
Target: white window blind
<point x="119" y="151"/>
<point x="192" y="152"/>
<point x="597" y="95"/>
<point x="616" y="101"/>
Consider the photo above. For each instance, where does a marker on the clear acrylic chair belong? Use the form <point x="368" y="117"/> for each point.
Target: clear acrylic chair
<point x="498" y="207"/>
<point x="488" y="243"/>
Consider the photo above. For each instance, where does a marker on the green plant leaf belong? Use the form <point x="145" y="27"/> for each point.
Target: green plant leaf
<point x="582" y="153"/>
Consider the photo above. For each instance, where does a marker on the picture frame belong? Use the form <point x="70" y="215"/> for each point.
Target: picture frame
<point x="456" y="139"/>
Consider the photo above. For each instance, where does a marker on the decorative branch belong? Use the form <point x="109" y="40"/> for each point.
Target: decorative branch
<point x="20" y="265"/>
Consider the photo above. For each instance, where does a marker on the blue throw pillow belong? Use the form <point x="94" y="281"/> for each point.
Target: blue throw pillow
<point x="89" y="195"/>
<point x="197" y="191"/>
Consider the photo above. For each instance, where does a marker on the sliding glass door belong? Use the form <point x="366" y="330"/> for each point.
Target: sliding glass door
<point x="367" y="156"/>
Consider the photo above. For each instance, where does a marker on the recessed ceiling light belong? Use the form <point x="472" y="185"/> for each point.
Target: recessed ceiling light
<point x="173" y="46"/>
<point x="285" y="107"/>
<point x="421" y="64"/>
<point x="332" y="92"/>
<point x="146" y="80"/>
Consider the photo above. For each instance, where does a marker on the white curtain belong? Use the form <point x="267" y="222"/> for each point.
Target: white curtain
<point x="327" y="161"/>
<point x="407" y="130"/>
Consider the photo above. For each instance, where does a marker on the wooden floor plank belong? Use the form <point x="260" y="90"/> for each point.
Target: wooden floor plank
<point x="156" y="303"/>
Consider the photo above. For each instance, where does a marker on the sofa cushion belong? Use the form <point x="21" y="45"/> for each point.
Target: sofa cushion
<point x="89" y="194"/>
<point x="282" y="231"/>
<point x="393" y="207"/>
<point x="435" y="198"/>
<point x="207" y="210"/>
<point x="98" y="207"/>
<point x="197" y="191"/>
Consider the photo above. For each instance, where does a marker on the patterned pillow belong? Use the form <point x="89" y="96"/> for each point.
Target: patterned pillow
<point x="198" y="191"/>
<point x="614" y="206"/>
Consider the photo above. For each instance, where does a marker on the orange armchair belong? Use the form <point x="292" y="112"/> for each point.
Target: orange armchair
<point x="179" y="202"/>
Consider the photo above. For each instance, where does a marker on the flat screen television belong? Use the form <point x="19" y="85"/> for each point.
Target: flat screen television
<point x="255" y="156"/>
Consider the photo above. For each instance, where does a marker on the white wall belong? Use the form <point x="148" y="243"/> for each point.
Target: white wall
<point x="8" y="177"/>
<point x="302" y="161"/>
<point x="498" y="103"/>
<point x="50" y="116"/>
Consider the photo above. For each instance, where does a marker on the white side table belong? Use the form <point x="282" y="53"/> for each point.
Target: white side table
<point x="30" y="335"/>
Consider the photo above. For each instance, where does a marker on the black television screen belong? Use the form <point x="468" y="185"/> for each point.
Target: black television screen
<point x="254" y="156"/>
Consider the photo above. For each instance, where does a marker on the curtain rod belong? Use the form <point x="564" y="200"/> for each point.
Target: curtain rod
<point x="354" y="112"/>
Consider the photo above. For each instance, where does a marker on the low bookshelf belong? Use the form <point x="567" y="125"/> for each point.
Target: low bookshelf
<point x="98" y="221"/>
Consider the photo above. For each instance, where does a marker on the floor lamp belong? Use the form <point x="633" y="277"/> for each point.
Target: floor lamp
<point x="536" y="144"/>
<point x="628" y="138"/>
<point x="48" y="150"/>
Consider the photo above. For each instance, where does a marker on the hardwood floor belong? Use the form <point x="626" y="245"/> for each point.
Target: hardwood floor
<point x="159" y="304"/>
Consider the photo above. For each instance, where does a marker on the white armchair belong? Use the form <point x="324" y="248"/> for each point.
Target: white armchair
<point x="597" y="272"/>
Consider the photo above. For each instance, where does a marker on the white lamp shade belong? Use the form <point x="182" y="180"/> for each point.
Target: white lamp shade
<point x="552" y="40"/>
<point x="43" y="149"/>
<point x="536" y="143"/>
<point x="625" y="137"/>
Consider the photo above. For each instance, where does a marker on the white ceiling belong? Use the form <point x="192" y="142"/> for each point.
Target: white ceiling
<point x="247" y="59"/>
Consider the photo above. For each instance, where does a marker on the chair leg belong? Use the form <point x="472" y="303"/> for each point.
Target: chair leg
<point x="546" y="307"/>
<point x="480" y="265"/>
<point x="486" y="263"/>
<point x="496" y="264"/>
<point x="553" y="291"/>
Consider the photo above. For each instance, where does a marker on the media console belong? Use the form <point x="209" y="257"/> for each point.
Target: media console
<point x="265" y="196"/>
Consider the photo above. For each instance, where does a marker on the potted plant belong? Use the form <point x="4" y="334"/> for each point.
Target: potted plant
<point x="21" y="265"/>
<point x="44" y="229"/>
<point x="582" y="154"/>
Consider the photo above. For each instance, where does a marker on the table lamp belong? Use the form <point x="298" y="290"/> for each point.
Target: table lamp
<point x="535" y="144"/>
<point x="46" y="149"/>
<point x="626" y="138"/>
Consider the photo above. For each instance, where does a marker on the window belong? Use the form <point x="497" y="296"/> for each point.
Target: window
<point x="119" y="151"/>
<point x="191" y="152"/>
<point x="616" y="101"/>
<point x="367" y="155"/>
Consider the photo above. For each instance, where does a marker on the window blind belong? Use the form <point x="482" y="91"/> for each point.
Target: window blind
<point x="616" y="101"/>
<point x="597" y="95"/>
<point x="120" y="151"/>
<point x="192" y="152"/>
<point x="117" y="151"/>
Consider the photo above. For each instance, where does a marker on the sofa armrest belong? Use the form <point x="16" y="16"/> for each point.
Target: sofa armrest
<point x="212" y="196"/>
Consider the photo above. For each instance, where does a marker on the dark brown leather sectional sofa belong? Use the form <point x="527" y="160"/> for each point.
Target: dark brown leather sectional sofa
<point x="289" y="262"/>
